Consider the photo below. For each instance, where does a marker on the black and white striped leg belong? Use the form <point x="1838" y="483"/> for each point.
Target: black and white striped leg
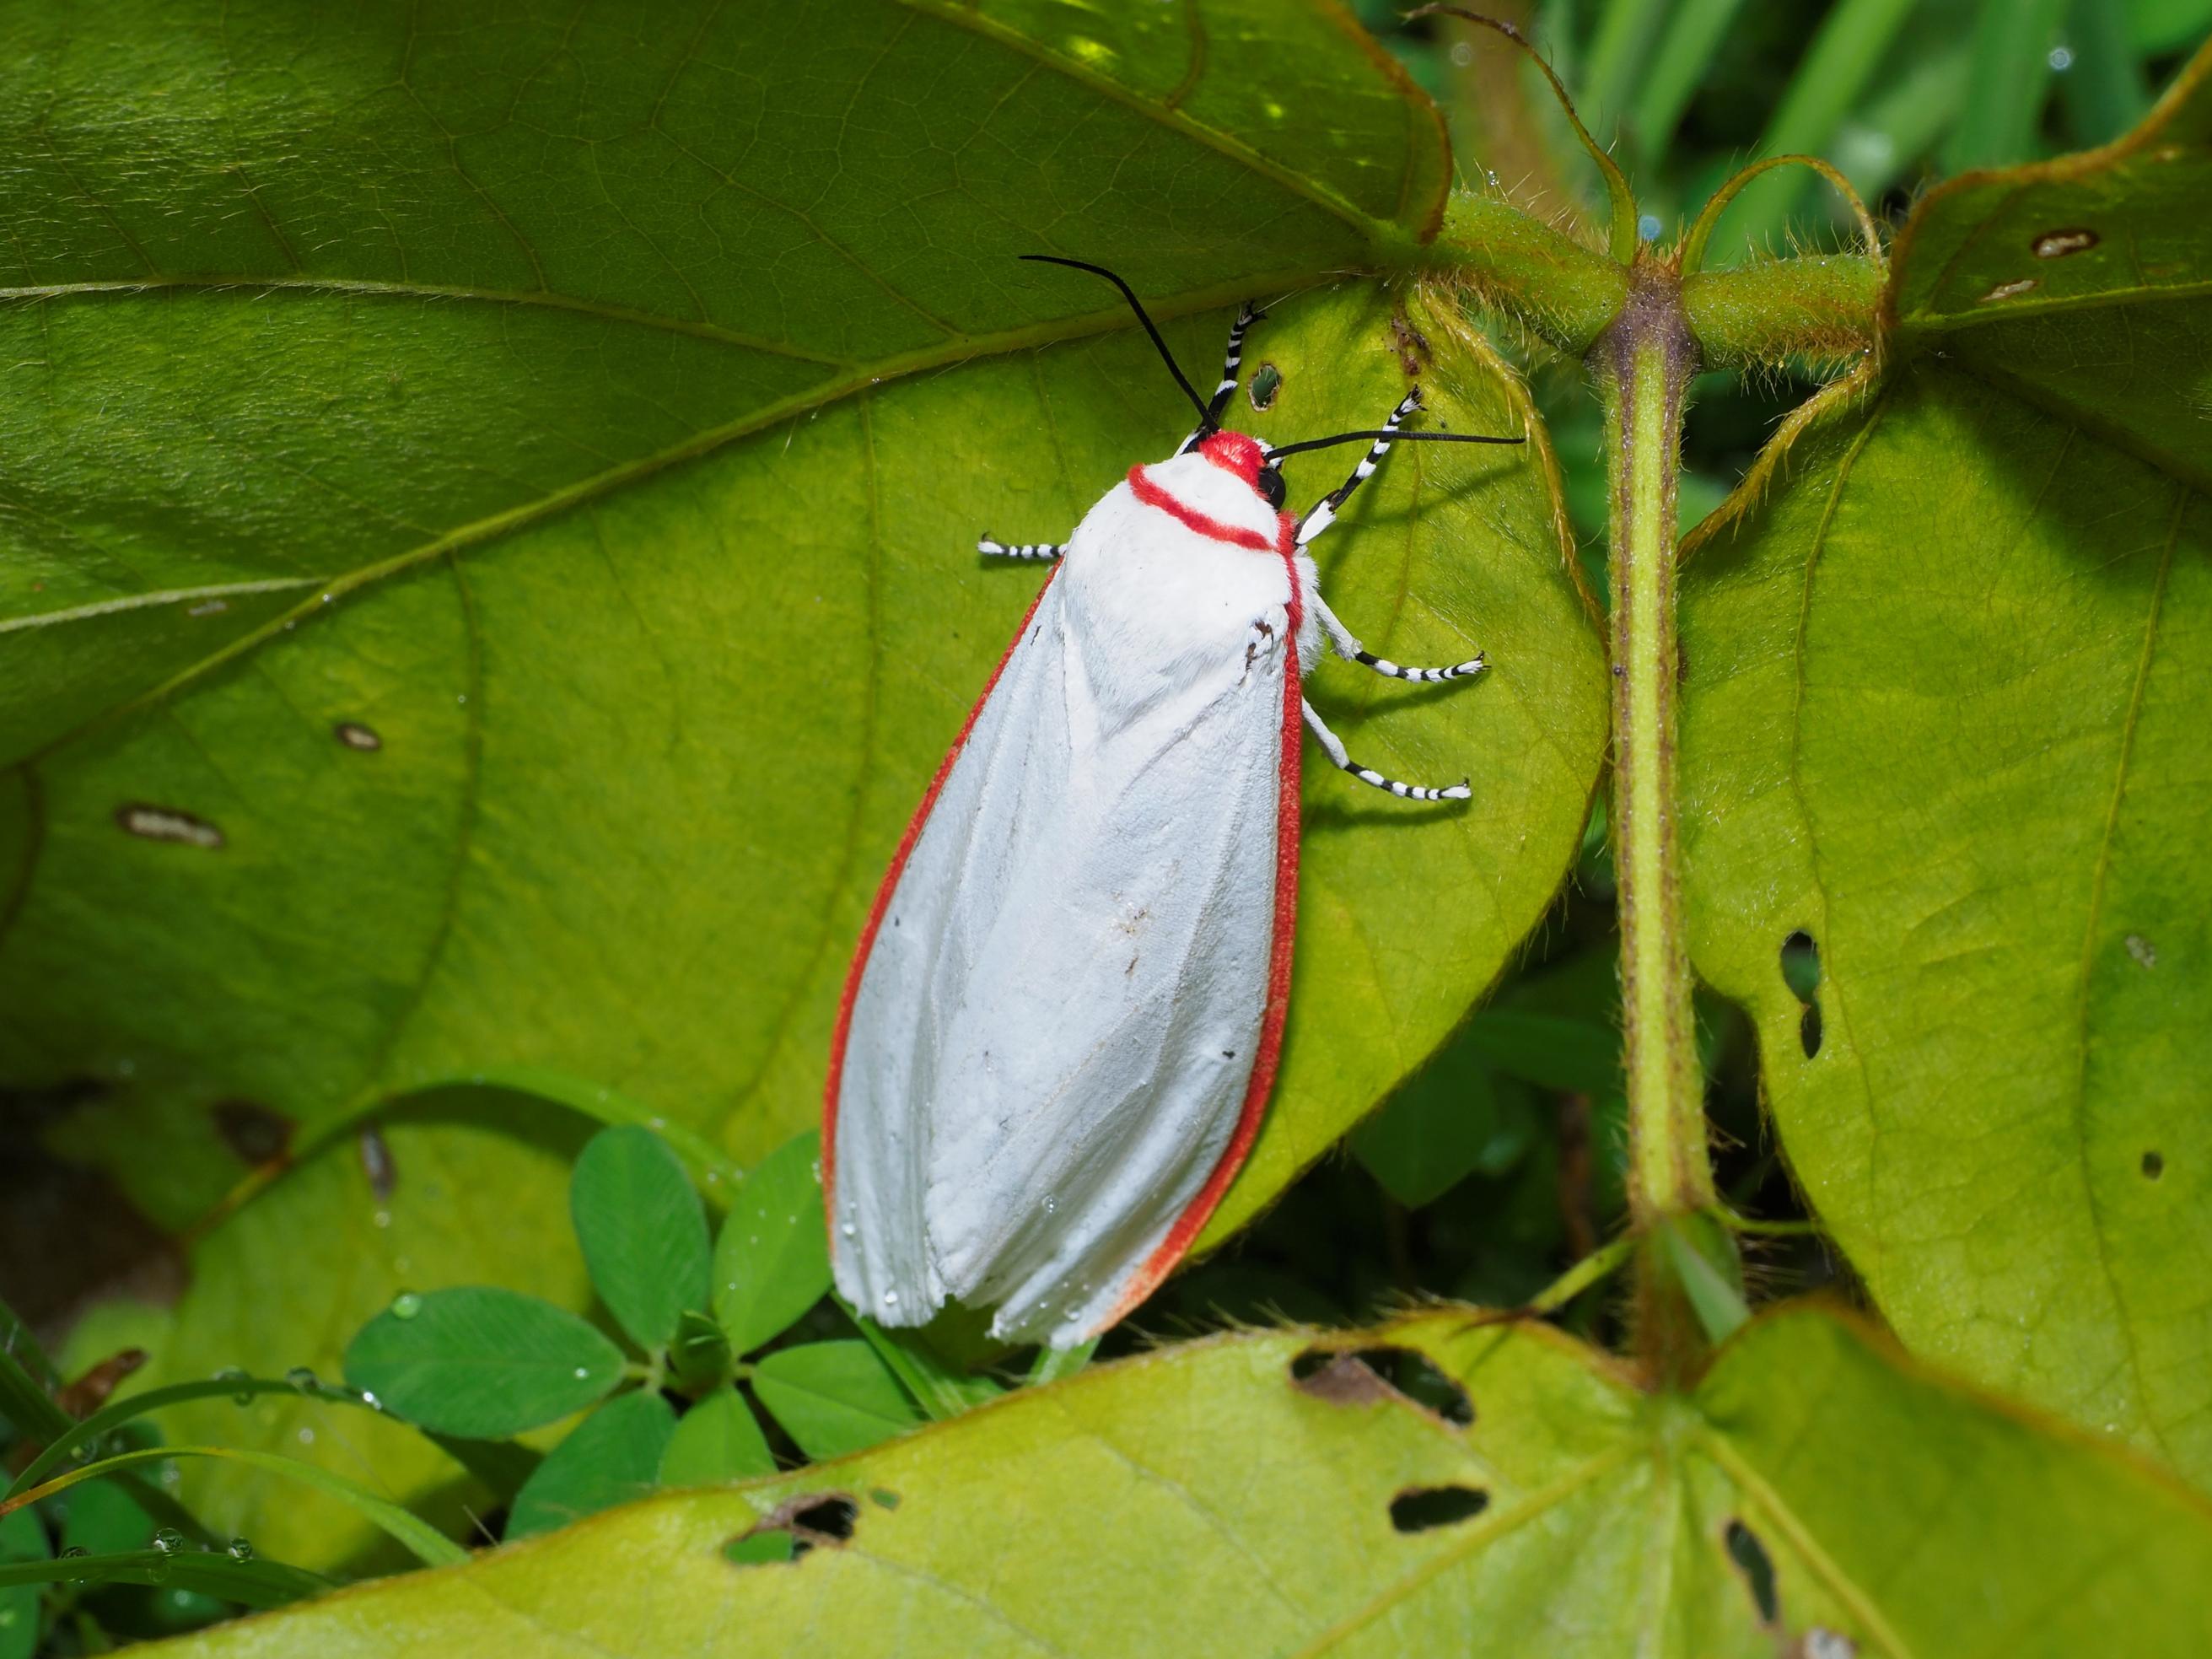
<point x="1232" y="360"/>
<point x="1334" y="749"/>
<point x="1021" y="549"/>
<point x="1350" y="648"/>
<point x="1324" y="512"/>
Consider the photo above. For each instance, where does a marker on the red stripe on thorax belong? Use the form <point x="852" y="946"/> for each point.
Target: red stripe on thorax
<point x="1236" y="534"/>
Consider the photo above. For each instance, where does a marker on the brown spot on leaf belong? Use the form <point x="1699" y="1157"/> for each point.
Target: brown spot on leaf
<point x="256" y="1133"/>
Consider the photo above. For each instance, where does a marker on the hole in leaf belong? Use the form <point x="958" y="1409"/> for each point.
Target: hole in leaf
<point x="1266" y="381"/>
<point x="1418" y="1509"/>
<point x="1801" y="965"/>
<point x="1752" y="1560"/>
<point x="2153" y="1165"/>
<point x="810" y="1521"/>
<point x="1801" y="972"/>
<point x="1367" y="1376"/>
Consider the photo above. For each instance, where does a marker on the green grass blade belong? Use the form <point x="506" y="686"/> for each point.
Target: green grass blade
<point x="2103" y="90"/>
<point x="1622" y="44"/>
<point x="1685" y="55"/>
<point x="110" y="1418"/>
<point x="937" y="1389"/>
<point x="1834" y="72"/>
<point x="212" y="1572"/>
<point x="2012" y="72"/>
<point x="24" y="1400"/>
<point x="428" y="1545"/>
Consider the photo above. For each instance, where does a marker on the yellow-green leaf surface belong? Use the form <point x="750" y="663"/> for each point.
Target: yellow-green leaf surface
<point x="486" y="558"/>
<point x="1210" y="1499"/>
<point x="1944" y="715"/>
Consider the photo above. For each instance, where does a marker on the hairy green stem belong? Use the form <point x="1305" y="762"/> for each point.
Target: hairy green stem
<point x="1820" y="307"/>
<point x="1643" y="365"/>
<point x="1551" y="284"/>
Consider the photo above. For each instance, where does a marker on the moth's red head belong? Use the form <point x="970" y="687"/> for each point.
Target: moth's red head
<point x="1236" y="453"/>
<point x="1246" y="458"/>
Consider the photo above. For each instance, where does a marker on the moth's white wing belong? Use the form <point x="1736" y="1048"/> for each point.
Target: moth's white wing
<point x="1054" y="1030"/>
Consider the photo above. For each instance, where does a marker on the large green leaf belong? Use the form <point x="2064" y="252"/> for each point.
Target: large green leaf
<point x="1944" y="716"/>
<point x="487" y="564"/>
<point x="1232" y="1497"/>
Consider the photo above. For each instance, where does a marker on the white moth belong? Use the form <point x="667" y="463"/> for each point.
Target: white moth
<point x="1061" y="1026"/>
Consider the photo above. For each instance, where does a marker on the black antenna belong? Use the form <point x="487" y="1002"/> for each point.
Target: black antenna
<point x="1277" y="453"/>
<point x="1205" y="416"/>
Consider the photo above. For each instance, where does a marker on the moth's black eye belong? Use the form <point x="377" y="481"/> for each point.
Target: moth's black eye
<point x="1269" y="483"/>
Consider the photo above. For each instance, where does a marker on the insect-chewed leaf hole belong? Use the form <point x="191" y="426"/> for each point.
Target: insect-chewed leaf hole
<point x="1801" y="965"/>
<point x="1418" y="1509"/>
<point x="1801" y="972"/>
<point x="1266" y="381"/>
<point x="1752" y="1560"/>
<point x="794" y="1528"/>
<point x="1367" y="1376"/>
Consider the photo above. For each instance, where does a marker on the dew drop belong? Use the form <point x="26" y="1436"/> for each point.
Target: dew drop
<point x="848" y="1230"/>
<point x="306" y="1436"/>
<point x="1050" y="1203"/>
<point x="168" y="1539"/>
<point x="582" y="1373"/>
<point x="232" y="1374"/>
<point x="891" y="1298"/>
<point x="303" y="1379"/>
<point x="239" y="1550"/>
<point x="406" y="1305"/>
